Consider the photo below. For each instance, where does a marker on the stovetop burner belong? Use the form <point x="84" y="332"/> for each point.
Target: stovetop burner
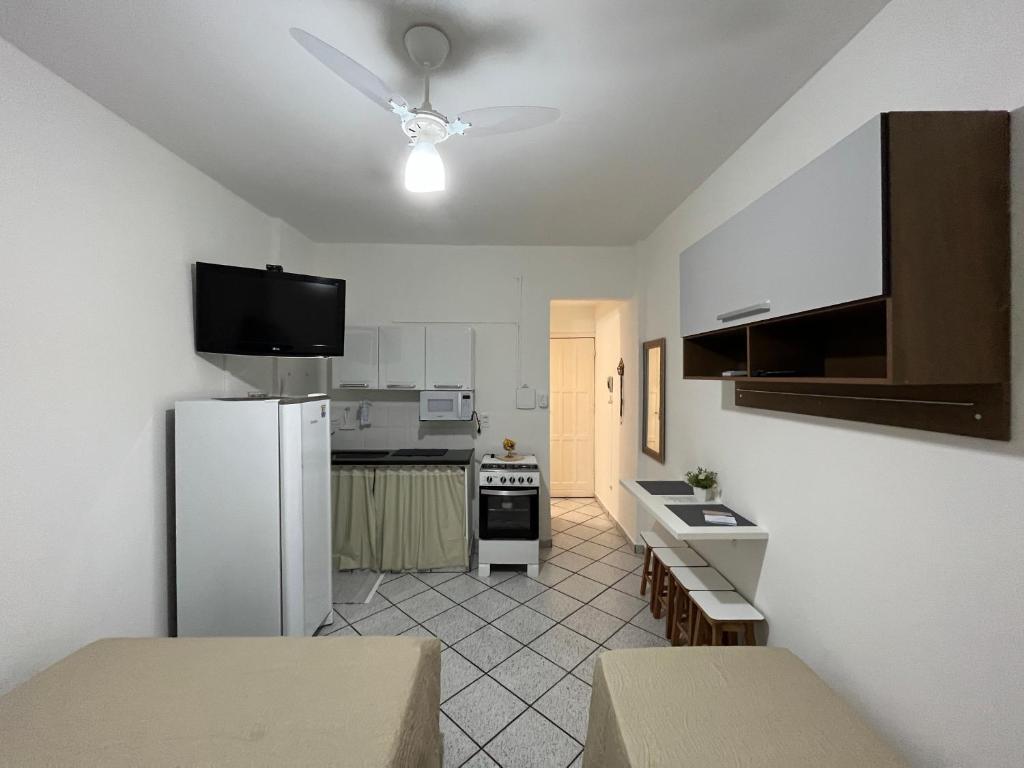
<point x="525" y="463"/>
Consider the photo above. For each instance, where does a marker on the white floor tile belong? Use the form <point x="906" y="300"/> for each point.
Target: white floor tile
<point x="533" y="742"/>
<point x="483" y="709"/>
<point x="567" y="706"/>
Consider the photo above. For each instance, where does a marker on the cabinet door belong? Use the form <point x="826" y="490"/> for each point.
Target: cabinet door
<point x="358" y="368"/>
<point x="813" y="241"/>
<point x="402" y="357"/>
<point x="449" y="357"/>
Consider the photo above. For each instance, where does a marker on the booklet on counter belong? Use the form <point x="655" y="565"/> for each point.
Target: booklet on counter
<point x="717" y="517"/>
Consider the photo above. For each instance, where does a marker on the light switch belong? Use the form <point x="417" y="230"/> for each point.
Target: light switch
<point x="542" y="399"/>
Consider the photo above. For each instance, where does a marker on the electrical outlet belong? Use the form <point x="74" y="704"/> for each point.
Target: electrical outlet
<point x="485" y="421"/>
<point x="542" y="399"/>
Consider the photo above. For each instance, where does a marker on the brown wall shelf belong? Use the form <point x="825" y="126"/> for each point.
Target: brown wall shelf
<point x="933" y="353"/>
<point x="709" y="354"/>
<point x="847" y="342"/>
<point x="981" y="410"/>
<point x="844" y="344"/>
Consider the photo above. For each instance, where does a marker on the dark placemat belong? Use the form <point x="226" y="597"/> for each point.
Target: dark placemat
<point x="420" y="452"/>
<point x="693" y="515"/>
<point x="666" y="487"/>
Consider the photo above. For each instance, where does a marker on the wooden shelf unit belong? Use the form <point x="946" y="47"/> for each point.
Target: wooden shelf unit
<point x="933" y="351"/>
<point x="707" y="355"/>
<point x="841" y="344"/>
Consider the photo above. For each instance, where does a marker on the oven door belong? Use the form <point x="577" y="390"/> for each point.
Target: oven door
<point x="513" y="514"/>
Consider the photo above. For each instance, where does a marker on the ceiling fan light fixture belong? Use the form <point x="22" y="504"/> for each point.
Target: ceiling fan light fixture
<point x="428" y="47"/>
<point x="424" y="170"/>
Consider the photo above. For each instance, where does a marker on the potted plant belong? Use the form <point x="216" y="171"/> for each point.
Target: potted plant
<point x="704" y="482"/>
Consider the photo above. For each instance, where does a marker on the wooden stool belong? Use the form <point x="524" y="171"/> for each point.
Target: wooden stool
<point x="663" y="560"/>
<point x="720" y="612"/>
<point x="652" y="539"/>
<point x="682" y="581"/>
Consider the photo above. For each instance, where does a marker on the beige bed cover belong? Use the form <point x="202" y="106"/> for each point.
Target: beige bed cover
<point x="723" y="707"/>
<point x="230" y="702"/>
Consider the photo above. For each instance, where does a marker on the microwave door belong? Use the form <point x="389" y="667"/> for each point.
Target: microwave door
<point x="446" y="406"/>
<point x="437" y="406"/>
<point x="441" y="408"/>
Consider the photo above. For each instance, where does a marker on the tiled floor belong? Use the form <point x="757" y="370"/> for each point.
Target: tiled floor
<point x="518" y="653"/>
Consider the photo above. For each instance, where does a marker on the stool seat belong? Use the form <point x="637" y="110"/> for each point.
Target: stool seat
<point x="655" y="539"/>
<point x="700" y="578"/>
<point x="675" y="557"/>
<point x="726" y="606"/>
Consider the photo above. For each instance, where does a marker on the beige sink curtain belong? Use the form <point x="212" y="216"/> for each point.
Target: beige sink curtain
<point x="400" y="518"/>
<point x="356" y="541"/>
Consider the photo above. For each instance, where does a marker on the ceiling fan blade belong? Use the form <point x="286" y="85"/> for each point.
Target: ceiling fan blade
<point x="349" y="70"/>
<point x="490" y="121"/>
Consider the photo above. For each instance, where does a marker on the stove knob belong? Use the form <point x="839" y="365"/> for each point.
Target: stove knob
<point x="522" y="479"/>
<point x="504" y="480"/>
<point x="488" y="479"/>
<point x="529" y="480"/>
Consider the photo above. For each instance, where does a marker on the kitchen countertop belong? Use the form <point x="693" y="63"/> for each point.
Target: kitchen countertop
<point x="658" y="507"/>
<point x="453" y="457"/>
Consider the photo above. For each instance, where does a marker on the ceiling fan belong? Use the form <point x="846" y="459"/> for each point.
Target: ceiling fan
<point x="428" y="47"/>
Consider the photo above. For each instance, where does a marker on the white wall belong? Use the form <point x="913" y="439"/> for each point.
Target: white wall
<point x="98" y="228"/>
<point x="894" y="566"/>
<point x="572" y="318"/>
<point x="504" y="292"/>
<point x="607" y="351"/>
<point x="616" y="437"/>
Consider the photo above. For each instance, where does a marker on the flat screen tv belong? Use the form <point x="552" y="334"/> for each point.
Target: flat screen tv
<point x="241" y="311"/>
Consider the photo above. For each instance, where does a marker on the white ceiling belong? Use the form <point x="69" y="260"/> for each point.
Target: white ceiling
<point x="654" y="94"/>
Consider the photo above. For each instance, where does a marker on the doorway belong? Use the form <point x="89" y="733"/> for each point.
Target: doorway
<point x="594" y="403"/>
<point x="572" y="416"/>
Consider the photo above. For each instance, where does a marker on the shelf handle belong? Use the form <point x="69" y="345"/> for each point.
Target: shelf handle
<point x="447" y="386"/>
<point x="736" y="314"/>
<point x="401" y="386"/>
<point x="354" y="385"/>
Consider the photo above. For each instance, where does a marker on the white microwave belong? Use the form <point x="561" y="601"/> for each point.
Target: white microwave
<point x="446" y="405"/>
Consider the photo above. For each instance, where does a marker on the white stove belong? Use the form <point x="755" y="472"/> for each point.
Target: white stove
<point x="509" y="513"/>
<point x="522" y="470"/>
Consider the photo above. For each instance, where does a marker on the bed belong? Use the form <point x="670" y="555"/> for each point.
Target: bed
<point x="723" y="707"/>
<point x="230" y="702"/>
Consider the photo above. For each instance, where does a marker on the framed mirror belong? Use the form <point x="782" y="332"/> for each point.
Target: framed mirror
<point x="652" y="441"/>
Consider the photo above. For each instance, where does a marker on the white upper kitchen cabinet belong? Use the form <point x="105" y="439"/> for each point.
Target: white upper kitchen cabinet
<point x="401" y="357"/>
<point x="449" y="357"/>
<point x="358" y="368"/>
<point x="813" y="241"/>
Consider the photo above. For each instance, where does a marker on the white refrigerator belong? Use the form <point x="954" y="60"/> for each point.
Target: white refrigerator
<point x="252" y="514"/>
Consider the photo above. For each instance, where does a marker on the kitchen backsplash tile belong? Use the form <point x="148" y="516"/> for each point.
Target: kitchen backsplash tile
<point x="394" y="425"/>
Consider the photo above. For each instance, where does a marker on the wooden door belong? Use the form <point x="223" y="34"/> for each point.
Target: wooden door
<point x="572" y="417"/>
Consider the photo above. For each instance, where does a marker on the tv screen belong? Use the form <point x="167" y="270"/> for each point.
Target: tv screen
<point x="241" y="311"/>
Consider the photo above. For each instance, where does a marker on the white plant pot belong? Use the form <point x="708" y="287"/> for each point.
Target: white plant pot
<point x="706" y="494"/>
